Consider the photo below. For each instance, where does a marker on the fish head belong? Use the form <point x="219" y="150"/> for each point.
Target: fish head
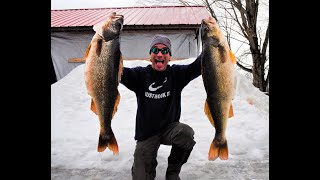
<point x="210" y="31"/>
<point x="111" y="27"/>
<point x="211" y="35"/>
<point x="116" y="22"/>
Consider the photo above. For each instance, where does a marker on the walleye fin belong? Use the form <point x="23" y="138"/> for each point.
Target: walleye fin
<point x="93" y="107"/>
<point x="231" y="111"/>
<point x="216" y="150"/>
<point x="115" y="108"/>
<point x="87" y="52"/>
<point x="99" y="46"/>
<point x="113" y="146"/>
<point x="120" y="69"/>
<point x="232" y="57"/>
<point x="208" y="113"/>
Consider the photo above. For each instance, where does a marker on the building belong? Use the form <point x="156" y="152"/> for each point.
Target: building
<point x="72" y="31"/>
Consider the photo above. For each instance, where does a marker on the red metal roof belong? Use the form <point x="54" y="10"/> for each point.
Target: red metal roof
<point x="150" y="15"/>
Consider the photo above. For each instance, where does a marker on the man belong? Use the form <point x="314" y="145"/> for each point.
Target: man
<point x="158" y="90"/>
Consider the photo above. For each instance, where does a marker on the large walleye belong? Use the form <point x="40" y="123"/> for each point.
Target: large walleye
<point x="217" y="63"/>
<point x="102" y="76"/>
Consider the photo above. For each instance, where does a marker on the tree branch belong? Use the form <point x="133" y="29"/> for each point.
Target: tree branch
<point x="210" y="9"/>
<point x="243" y="28"/>
<point x="266" y="40"/>
<point x="244" y="68"/>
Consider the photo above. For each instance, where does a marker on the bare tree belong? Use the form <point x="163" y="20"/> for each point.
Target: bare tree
<point x="248" y="25"/>
<point x="244" y="14"/>
<point x="239" y="20"/>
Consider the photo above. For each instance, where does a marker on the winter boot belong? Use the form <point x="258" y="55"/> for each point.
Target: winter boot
<point x="177" y="158"/>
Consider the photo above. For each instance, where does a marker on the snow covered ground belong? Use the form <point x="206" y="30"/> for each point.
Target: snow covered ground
<point x="75" y="131"/>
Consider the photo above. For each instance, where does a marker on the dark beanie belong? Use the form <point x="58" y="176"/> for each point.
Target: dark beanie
<point x="161" y="39"/>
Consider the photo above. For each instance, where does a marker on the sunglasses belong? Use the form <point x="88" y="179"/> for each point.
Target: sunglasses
<point x="156" y="50"/>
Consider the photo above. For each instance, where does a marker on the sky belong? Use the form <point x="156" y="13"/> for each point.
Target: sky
<point x="76" y="4"/>
<point x="75" y="132"/>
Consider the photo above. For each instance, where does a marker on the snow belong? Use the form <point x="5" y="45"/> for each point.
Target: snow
<point x="75" y="131"/>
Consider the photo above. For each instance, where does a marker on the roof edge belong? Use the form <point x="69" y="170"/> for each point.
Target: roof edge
<point x="131" y="27"/>
<point x="132" y="7"/>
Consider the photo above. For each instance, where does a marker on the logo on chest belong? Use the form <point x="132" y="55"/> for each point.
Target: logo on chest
<point x="152" y="88"/>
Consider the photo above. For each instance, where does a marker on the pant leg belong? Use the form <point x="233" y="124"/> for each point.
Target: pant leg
<point x="179" y="134"/>
<point x="181" y="137"/>
<point x="145" y="158"/>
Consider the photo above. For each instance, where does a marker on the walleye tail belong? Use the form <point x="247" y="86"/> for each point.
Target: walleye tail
<point x="102" y="143"/>
<point x="107" y="141"/>
<point x="111" y="144"/>
<point x="218" y="150"/>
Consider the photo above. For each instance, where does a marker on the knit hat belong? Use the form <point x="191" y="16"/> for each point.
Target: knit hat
<point x="161" y="39"/>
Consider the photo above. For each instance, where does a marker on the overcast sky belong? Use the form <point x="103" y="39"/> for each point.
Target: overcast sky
<point x="76" y="4"/>
<point x="79" y="4"/>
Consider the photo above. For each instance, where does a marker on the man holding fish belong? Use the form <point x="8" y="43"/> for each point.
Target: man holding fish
<point x="158" y="90"/>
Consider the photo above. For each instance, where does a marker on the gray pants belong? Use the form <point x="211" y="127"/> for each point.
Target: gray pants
<point x="145" y="155"/>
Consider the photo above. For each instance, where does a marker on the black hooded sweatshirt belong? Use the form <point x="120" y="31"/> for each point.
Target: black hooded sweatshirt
<point x="158" y="94"/>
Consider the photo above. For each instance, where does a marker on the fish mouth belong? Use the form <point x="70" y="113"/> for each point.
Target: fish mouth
<point x="204" y="27"/>
<point x="209" y="22"/>
<point x="204" y="31"/>
<point x="208" y="25"/>
<point x="118" y="20"/>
